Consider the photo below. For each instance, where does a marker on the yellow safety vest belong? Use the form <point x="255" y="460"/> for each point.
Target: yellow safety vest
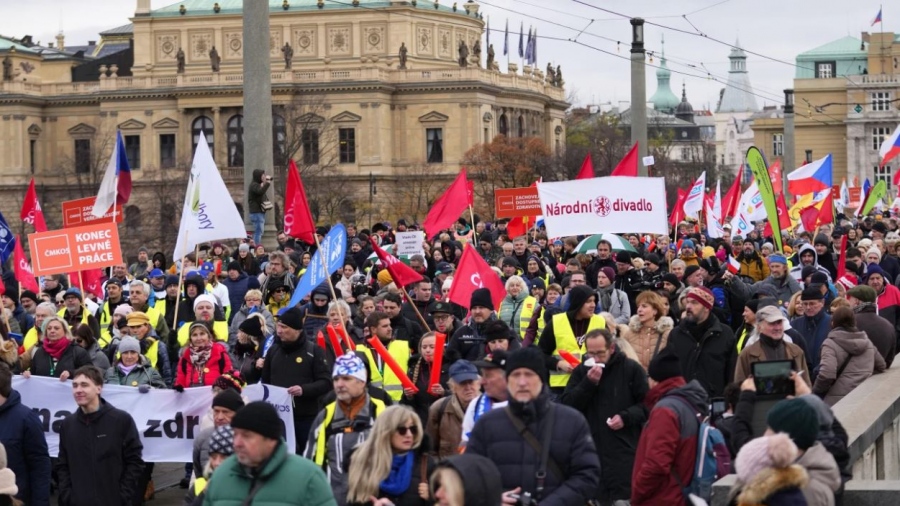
<point x="160" y="306"/>
<point x="541" y="322"/>
<point x="528" y="307"/>
<point x="199" y="486"/>
<point x="741" y="340"/>
<point x="220" y="329"/>
<point x="31" y="338"/>
<point x="105" y="319"/>
<point x="84" y="315"/>
<point x="565" y="340"/>
<point x="329" y="416"/>
<point x="386" y="379"/>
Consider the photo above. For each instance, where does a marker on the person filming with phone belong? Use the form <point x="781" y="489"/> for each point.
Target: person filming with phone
<point x="772" y="344"/>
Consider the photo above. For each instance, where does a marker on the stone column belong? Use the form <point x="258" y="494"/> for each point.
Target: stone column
<point x="789" y="140"/>
<point x="639" y="93"/>
<point x="257" y="103"/>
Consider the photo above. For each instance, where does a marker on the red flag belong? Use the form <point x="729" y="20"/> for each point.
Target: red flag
<point x="23" y="271"/>
<point x="808" y="217"/>
<point x="587" y="168"/>
<point x="298" y="220"/>
<point x="447" y="208"/>
<point x="775" y="177"/>
<point x="519" y="226"/>
<point x="401" y="273"/>
<point x="842" y="260"/>
<point x="31" y="210"/>
<point x="732" y="198"/>
<point x="470" y="193"/>
<point x="628" y="166"/>
<point x="784" y="219"/>
<point x="93" y="281"/>
<point x="678" y="213"/>
<point x="473" y="273"/>
<point x="826" y="213"/>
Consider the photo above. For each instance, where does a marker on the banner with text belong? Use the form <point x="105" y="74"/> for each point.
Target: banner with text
<point x="514" y="202"/>
<point x="75" y="249"/>
<point x="167" y="421"/>
<point x="77" y="213"/>
<point x="410" y="243"/>
<point x="604" y="205"/>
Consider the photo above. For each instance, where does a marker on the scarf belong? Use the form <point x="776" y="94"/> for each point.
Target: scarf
<point x="126" y="369"/>
<point x="697" y="330"/>
<point x="605" y="296"/>
<point x="199" y="356"/>
<point x="398" y="480"/>
<point x="56" y="348"/>
<point x="865" y="305"/>
<point x="772" y="348"/>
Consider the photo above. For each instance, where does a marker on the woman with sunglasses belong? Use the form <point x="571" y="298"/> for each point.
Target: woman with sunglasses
<point x="84" y="337"/>
<point x="278" y="299"/>
<point x="391" y="466"/>
<point x="56" y="355"/>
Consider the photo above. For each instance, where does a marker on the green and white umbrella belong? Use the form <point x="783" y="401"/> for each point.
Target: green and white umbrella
<point x="589" y="245"/>
<point x="390" y="248"/>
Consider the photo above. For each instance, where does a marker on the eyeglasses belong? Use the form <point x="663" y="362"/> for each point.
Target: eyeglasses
<point x="278" y="290"/>
<point x="440" y="317"/>
<point x="596" y="354"/>
<point x="412" y="429"/>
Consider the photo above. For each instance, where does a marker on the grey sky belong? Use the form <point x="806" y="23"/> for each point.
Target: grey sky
<point x="777" y="29"/>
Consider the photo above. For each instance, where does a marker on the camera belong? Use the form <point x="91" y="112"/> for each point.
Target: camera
<point x="523" y="499"/>
<point x="358" y="286"/>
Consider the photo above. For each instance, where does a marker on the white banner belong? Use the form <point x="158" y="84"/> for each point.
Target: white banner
<point x="604" y="205"/>
<point x="410" y="243"/>
<point x="167" y="421"/>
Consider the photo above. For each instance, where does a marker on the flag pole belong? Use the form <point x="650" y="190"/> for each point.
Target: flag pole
<point x="330" y="284"/>
<point x="180" y="286"/>
<point x="472" y="217"/>
<point x="415" y="308"/>
<point x="81" y="282"/>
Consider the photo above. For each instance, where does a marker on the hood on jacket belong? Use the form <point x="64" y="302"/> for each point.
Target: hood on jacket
<point x="578" y="296"/>
<point x="771" y="481"/>
<point x="821" y="467"/>
<point x="695" y="394"/>
<point x="257" y="175"/>
<point x="661" y="389"/>
<point x="12" y="401"/>
<point x="322" y="289"/>
<point x="159" y="255"/>
<point x="480" y="477"/>
<point x="663" y="324"/>
<point x="854" y="343"/>
<point x="823" y="411"/>
<point x="197" y="281"/>
<point x="9" y="352"/>
<point x="803" y="249"/>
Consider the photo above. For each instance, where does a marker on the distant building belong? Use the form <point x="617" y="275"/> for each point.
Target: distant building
<point x="664" y="100"/>
<point x="736" y="105"/>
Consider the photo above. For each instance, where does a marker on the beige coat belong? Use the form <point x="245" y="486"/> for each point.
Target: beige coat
<point x="754" y="353"/>
<point x="861" y="358"/>
<point x="645" y="343"/>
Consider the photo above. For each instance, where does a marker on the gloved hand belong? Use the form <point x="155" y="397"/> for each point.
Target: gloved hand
<point x="143" y="389"/>
<point x="178" y="388"/>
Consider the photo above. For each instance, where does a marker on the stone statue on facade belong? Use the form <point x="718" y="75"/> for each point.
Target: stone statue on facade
<point x="559" y="79"/>
<point x="214" y="59"/>
<point x="288" y="55"/>
<point x="551" y="75"/>
<point x="476" y="53"/>
<point x="489" y="64"/>
<point x="403" y="52"/>
<point x="7" y="68"/>
<point x="179" y="58"/>
<point x="463" y="54"/>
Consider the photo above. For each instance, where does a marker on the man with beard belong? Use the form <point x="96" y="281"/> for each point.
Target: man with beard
<point x="603" y="259"/>
<point x="781" y="286"/>
<point x="404" y="329"/>
<point x="807" y="256"/>
<point x="628" y="279"/>
<point x="753" y="265"/>
<point x="822" y="246"/>
<point x="704" y="346"/>
<point x="469" y="342"/>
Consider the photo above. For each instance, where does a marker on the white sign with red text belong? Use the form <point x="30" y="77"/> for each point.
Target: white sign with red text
<point x="604" y="205"/>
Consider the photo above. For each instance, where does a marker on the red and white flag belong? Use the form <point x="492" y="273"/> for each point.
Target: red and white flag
<point x="693" y="203"/>
<point x="93" y="281"/>
<point x="31" y="210"/>
<point x="473" y="273"/>
<point x="24" y="273"/>
<point x="401" y="273"/>
<point x="734" y="266"/>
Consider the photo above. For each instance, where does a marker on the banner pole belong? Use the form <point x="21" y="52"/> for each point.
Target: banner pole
<point x="180" y="286"/>
<point x="330" y="285"/>
<point x="416" y="309"/>
<point x="472" y="217"/>
<point x="81" y="284"/>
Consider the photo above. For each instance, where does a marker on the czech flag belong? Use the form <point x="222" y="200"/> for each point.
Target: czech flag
<point x="812" y="177"/>
<point x="890" y="148"/>
<point x="877" y="18"/>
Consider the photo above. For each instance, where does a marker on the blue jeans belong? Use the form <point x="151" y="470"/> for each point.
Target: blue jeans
<point x="259" y="222"/>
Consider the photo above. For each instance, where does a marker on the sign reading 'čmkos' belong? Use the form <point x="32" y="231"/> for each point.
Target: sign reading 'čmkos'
<point x="604" y="205"/>
<point x="75" y="249"/>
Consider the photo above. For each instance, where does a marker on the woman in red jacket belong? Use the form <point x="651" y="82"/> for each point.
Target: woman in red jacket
<point x="203" y="360"/>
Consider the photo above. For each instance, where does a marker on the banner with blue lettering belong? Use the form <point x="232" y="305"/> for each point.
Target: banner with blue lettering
<point x="167" y="421"/>
<point x="334" y="247"/>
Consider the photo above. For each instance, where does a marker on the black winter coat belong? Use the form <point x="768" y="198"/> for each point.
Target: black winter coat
<point x="407" y="330"/>
<point x="571" y="446"/>
<point x="74" y="357"/>
<point x="621" y="391"/>
<point x="299" y="363"/>
<point x="880" y="332"/>
<point x="710" y="360"/>
<point x="27" y="456"/>
<point x="99" y="460"/>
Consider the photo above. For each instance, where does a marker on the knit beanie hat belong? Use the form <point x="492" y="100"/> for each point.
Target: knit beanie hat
<point x="654" y="259"/>
<point x="7" y="477"/>
<point x="259" y="417"/>
<point x="292" y="318"/>
<point x="796" y="418"/>
<point x="689" y="271"/>
<point x="230" y="380"/>
<point x="874" y="269"/>
<point x="130" y="344"/>
<point x="775" y="258"/>
<point x="510" y="261"/>
<point x="807" y="271"/>
<point x="765" y="452"/>
<point x="349" y="365"/>
<point x="848" y="281"/>
<point x="818" y="278"/>
<point x="609" y="273"/>
<point x="234" y="265"/>
<point x="171" y="279"/>
<point x="384" y="277"/>
<point x="496" y="330"/>
<point x="702" y="295"/>
<point x="874" y="251"/>
<point x="252" y="327"/>
<point x="664" y="365"/>
<point x="527" y="358"/>
<point x="221" y="441"/>
<point x="481" y="297"/>
<point x="864" y="293"/>
<point x="671" y="279"/>
<point x="687" y="243"/>
<point x="123" y="310"/>
<point x="228" y="399"/>
<point x="623" y="257"/>
<point x="205" y="297"/>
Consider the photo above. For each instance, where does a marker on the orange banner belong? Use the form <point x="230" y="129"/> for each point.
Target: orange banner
<point x="75" y="249"/>
<point x="512" y="202"/>
<point x="77" y="213"/>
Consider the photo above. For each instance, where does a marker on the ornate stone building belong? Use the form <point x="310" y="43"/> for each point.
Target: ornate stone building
<point x="349" y="104"/>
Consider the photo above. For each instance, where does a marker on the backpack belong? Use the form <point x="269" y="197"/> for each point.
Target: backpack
<point x="713" y="460"/>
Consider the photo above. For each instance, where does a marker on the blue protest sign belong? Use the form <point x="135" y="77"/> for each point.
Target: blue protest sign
<point x="334" y="247"/>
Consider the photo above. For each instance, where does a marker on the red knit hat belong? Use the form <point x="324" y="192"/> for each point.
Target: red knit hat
<point x="702" y="295"/>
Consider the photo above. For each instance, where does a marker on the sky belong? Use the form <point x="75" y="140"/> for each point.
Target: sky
<point x="775" y="30"/>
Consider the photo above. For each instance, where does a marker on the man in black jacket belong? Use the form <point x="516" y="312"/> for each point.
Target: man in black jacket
<point x="572" y="467"/>
<point x="404" y="329"/>
<point x="422" y="297"/>
<point x="609" y="390"/>
<point x="704" y="346"/>
<point x="100" y="451"/>
<point x="863" y="300"/>
<point x="297" y="364"/>
<point x="469" y="342"/>
<point x="603" y="259"/>
<point x="22" y="434"/>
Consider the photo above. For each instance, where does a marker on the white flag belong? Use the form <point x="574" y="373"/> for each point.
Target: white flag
<point x="106" y="197"/>
<point x="209" y="213"/>
<point x="694" y="201"/>
<point x="717" y="203"/>
<point x="713" y="225"/>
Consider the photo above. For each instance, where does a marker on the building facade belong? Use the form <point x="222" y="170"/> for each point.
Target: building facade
<point x="363" y="91"/>
<point x="732" y="117"/>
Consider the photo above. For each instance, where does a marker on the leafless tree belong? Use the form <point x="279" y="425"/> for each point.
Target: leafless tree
<point x="415" y="191"/>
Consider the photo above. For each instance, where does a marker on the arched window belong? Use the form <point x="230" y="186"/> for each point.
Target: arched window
<point x="133" y="220"/>
<point x="202" y="125"/>
<point x="236" y="141"/>
<point x="521" y="126"/>
<point x="504" y="125"/>
<point x="279" y="140"/>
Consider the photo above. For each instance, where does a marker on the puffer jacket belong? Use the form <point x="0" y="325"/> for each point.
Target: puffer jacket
<point x="74" y="357"/>
<point x="511" y="309"/>
<point x="571" y="446"/>
<point x="710" y="358"/>
<point x="850" y="347"/>
<point x="26" y="450"/>
<point x="824" y="476"/>
<point x="880" y="332"/>
<point x="753" y="266"/>
<point x="648" y="344"/>
<point x="815" y="330"/>
<point x="142" y="374"/>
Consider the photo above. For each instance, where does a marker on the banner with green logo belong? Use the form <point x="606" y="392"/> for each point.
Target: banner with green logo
<point x="757" y="163"/>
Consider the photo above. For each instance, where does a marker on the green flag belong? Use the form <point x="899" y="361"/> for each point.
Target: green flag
<point x="760" y="169"/>
<point x="876" y="194"/>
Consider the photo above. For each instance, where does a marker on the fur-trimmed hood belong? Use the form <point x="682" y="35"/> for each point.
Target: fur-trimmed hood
<point x="9" y="351"/>
<point x="663" y="325"/>
<point x="771" y="481"/>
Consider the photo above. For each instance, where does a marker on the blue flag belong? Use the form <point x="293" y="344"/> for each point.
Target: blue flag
<point x="7" y="240"/>
<point x="522" y="40"/>
<point x="506" y="38"/>
<point x="865" y="189"/>
<point x="534" y="47"/>
<point x="528" y="48"/>
<point x="334" y="247"/>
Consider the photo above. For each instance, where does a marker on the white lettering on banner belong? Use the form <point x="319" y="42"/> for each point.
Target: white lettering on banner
<point x="167" y="421"/>
<point x="604" y="205"/>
